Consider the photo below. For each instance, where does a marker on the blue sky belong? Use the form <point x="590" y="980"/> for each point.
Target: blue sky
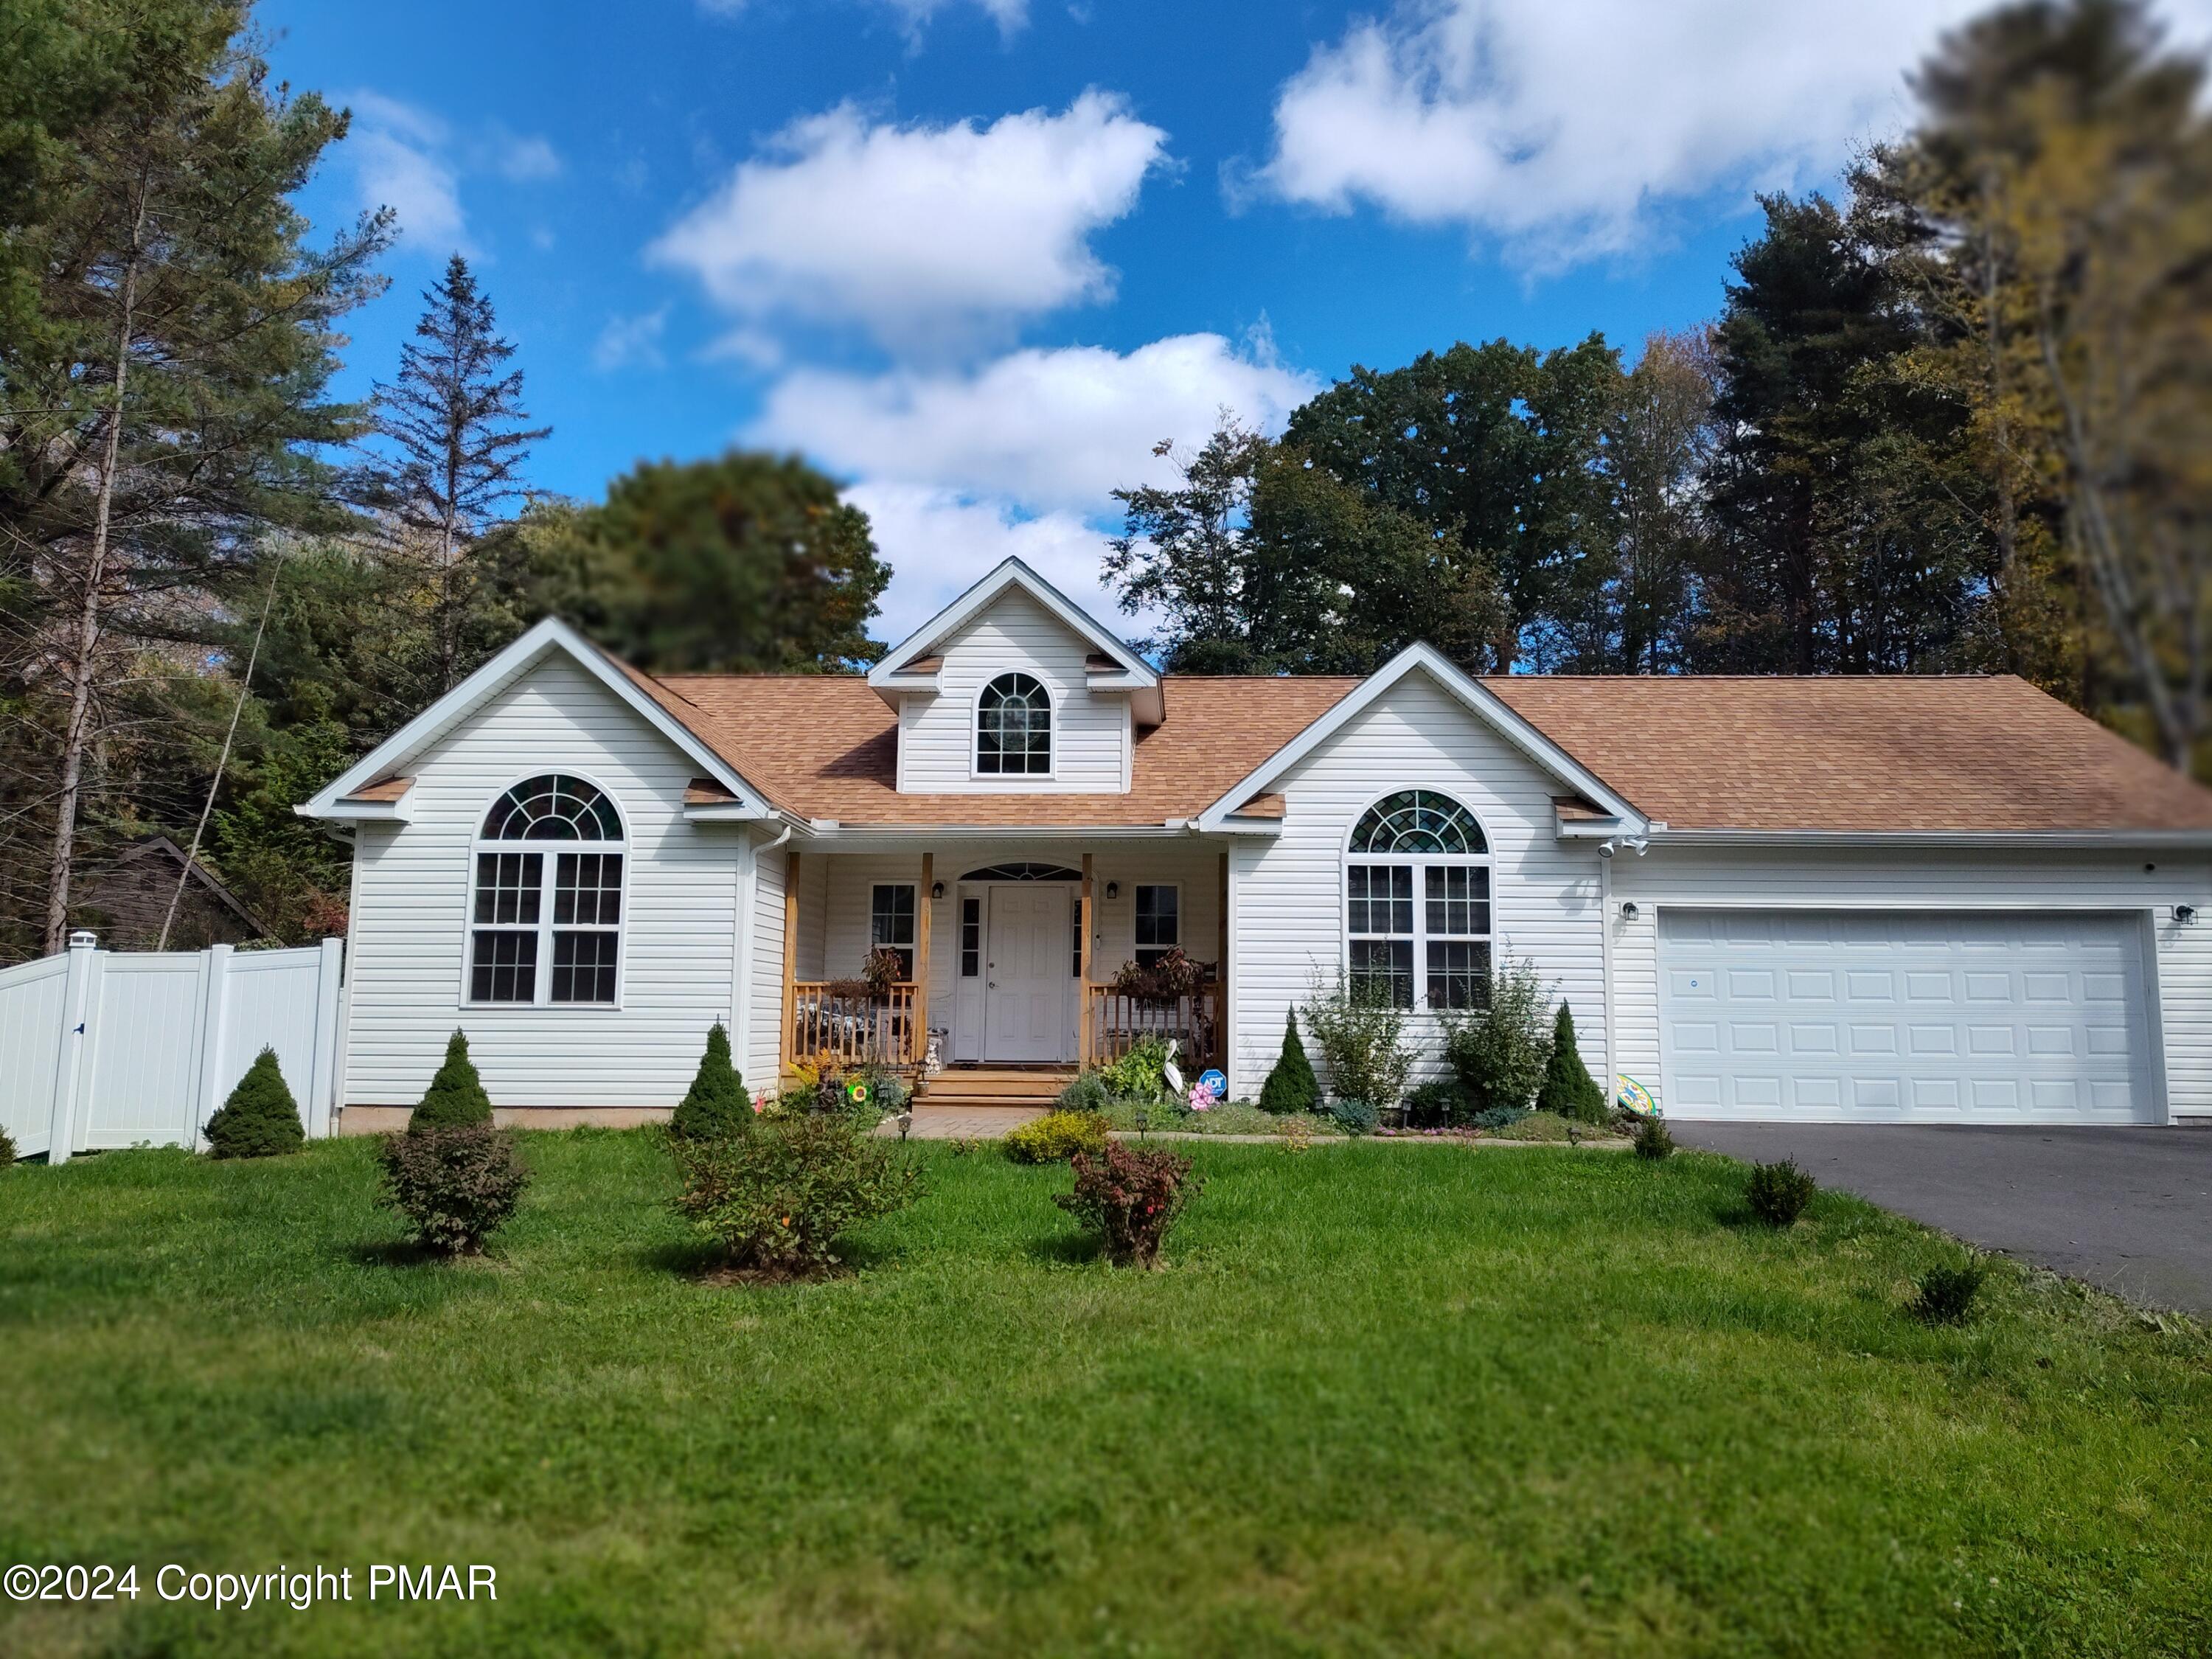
<point x="975" y="257"/>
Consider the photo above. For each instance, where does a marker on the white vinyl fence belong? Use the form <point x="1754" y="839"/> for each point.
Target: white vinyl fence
<point x="103" y="1048"/>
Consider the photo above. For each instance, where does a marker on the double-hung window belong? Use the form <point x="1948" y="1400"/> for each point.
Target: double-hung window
<point x="546" y="900"/>
<point x="1158" y="922"/>
<point x="890" y="922"/>
<point x="1418" y="921"/>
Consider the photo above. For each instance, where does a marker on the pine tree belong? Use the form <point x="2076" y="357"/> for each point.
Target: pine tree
<point x="715" y="1104"/>
<point x="1569" y="1089"/>
<point x="260" y="1119"/>
<point x="456" y="1095"/>
<point x="1291" y="1086"/>
<point x="458" y="421"/>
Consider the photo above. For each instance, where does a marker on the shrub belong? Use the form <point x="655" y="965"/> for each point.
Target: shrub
<point x="1291" y="1086"/>
<point x="1568" y="1088"/>
<point x="1545" y="1126"/>
<point x="1495" y="1118"/>
<point x="457" y="1182"/>
<point x="1778" y="1193"/>
<point x="1056" y="1137"/>
<point x="1354" y="1117"/>
<point x="1140" y="1074"/>
<point x="1362" y="1036"/>
<point x="1172" y="975"/>
<point x="1652" y="1139"/>
<point x="456" y="1095"/>
<point x="260" y="1119"/>
<point x="887" y="1091"/>
<point x="1087" y="1093"/>
<point x="7" y="1150"/>
<point x="777" y="1200"/>
<point x="1438" y="1103"/>
<point x="1946" y="1295"/>
<point x="1500" y="1052"/>
<point x="883" y="968"/>
<point x="715" y="1103"/>
<point x="1130" y="1197"/>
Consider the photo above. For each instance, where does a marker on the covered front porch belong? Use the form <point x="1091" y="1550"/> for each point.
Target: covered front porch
<point x="1028" y="955"/>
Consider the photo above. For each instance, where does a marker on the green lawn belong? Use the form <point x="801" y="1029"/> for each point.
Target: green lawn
<point x="1385" y="1399"/>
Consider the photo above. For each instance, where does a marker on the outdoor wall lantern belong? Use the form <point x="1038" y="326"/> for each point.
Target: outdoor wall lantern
<point x="2184" y="913"/>
<point x="1113" y="889"/>
<point x="1629" y="912"/>
<point x="937" y="890"/>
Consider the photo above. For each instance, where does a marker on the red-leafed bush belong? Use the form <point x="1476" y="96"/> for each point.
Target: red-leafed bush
<point x="1130" y="1197"/>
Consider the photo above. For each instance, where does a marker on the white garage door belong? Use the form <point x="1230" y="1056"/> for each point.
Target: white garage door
<point x="1902" y="1016"/>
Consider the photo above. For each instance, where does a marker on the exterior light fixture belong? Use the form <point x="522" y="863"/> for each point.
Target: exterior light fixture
<point x="1629" y="912"/>
<point x="2184" y="913"/>
<point x="937" y="890"/>
<point x="1113" y="889"/>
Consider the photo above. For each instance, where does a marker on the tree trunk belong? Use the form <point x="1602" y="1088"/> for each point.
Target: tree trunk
<point x="74" y="736"/>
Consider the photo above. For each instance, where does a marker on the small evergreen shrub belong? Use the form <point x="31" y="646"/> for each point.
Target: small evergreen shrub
<point x="1778" y="1193"/>
<point x="1501" y="1052"/>
<point x="1568" y="1088"/>
<point x="1653" y="1141"/>
<point x="1292" y="1085"/>
<point x="1056" y="1137"/>
<point x="1087" y="1093"/>
<point x="1494" y="1118"/>
<point x="1130" y="1197"/>
<point x="716" y="1102"/>
<point x="777" y="1200"/>
<point x="457" y="1182"/>
<point x="7" y="1151"/>
<point x="1353" y="1117"/>
<point x="1439" y="1103"/>
<point x="260" y="1119"/>
<point x="1946" y="1295"/>
<point x="456" y="1095"/>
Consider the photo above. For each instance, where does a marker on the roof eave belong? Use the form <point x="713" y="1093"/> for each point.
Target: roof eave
<point x="2119" y="839"/>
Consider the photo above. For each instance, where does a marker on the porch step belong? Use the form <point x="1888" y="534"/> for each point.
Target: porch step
<point x="1001" y="1087"/>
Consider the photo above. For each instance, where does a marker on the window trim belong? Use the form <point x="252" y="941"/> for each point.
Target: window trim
<point x="1014" y="779"/>
<point x="1419" y="864"/>
<point x="1136" y="945"/>
<point x="541" y="989"/>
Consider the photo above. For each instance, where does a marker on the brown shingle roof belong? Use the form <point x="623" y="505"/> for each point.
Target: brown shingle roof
<point x="383" y="789"/>
<point x="825" y="747"/>
<point x="1864" y="754"/>
<point x="1871" y="755"/>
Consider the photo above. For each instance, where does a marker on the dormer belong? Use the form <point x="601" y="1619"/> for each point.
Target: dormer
<point x="1013" y="688"/>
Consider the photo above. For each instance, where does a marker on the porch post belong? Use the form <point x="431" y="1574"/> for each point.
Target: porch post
<point x="917" y="1025"/>
<point x="790" y="963"/>
<point x="1083" y="971"/>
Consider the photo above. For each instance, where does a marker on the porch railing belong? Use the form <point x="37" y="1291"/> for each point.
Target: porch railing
<point x="848" y="1029"/>
<point x="1116" y="1021"/>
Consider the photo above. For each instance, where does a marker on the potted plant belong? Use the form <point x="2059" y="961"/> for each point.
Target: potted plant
<point x="882" y="969"/>
<point x="1168" y="978"/>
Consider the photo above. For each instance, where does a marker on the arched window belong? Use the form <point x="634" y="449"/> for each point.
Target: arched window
<point x="546" y="925"/>
<point x="1013" y="728"/>
<point x="1418" y="903"/>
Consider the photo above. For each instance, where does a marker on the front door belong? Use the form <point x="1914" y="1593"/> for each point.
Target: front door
<point x="1028" y="978"/>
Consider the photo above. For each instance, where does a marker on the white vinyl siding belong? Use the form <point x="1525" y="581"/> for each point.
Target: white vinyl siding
<point x="1287" y="902"/>
<point x="1091" y="731"/>
<point x="1926" y="878"/>
<point x="411" y="919"/>
<point x="764" y="1042"/>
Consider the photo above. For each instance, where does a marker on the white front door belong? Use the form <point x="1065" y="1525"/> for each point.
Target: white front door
<point x="1029" y="976"/>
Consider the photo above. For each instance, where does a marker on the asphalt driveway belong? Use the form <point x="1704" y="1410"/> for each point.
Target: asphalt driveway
<point x="2128" y="1209"/>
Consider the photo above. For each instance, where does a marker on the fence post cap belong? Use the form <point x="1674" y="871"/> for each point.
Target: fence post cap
<point x="83" y="940"/>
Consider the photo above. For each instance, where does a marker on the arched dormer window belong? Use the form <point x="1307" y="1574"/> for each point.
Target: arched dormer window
<point x="1013" y="728"/>
<point x="545" y="922"/>
<point x="1418" y="903"/>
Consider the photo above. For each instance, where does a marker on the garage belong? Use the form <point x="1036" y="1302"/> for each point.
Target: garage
<point x="1963" y="1017"/>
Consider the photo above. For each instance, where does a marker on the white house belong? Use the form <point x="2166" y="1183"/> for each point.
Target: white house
<point x="1927" y="900"/>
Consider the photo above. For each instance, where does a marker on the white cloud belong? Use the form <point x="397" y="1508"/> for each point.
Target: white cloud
<point x="938" y="541"/>
<point x="1050" y="429"/>
<point x="919" y="232"/>
<point x="628" y="342"/>
<point x="1557" y="128"/>
<point x="398" y="162"/>
<point x="524" y="160"/>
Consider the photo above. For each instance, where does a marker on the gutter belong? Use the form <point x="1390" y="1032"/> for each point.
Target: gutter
<point x="2015" y="840"/>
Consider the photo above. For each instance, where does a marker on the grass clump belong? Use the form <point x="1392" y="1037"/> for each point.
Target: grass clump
<point x="1778" y="1193"/>
<point x="260" y="1119"/>
<point x="715" y="1103"/>
<point x="776" y="1199"/>
<point x="456" y="1095"/>
<point x="1945" y="1295"/>
<point x="1056" y="1137"/>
